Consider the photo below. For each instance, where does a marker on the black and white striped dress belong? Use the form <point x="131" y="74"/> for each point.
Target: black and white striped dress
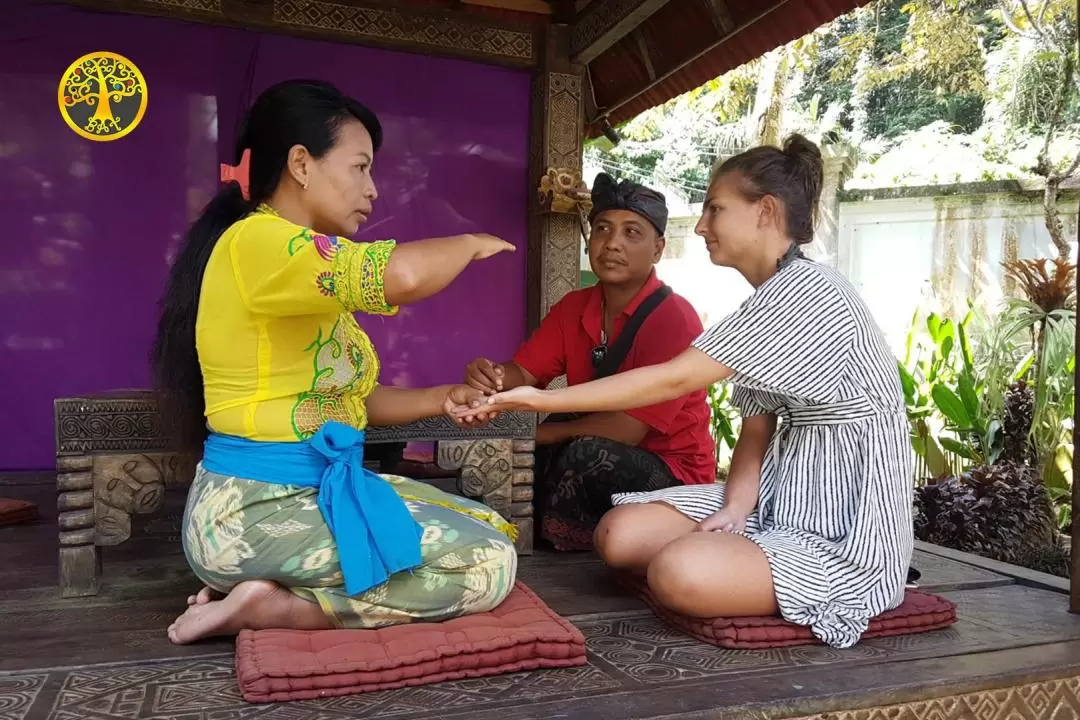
<point x="834" y="514"/>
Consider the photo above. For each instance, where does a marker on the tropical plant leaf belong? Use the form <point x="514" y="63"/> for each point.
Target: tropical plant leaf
<point x="962" y="449"/>
<point x="951" y="406"/>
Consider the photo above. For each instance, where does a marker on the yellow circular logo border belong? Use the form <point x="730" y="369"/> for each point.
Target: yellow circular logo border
<point x="112" y="136"/>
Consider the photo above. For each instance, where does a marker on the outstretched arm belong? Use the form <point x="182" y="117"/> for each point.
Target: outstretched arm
<point x="419" y="269"/>
<point x="691" y="370"/>
<point x="388" y="405"/>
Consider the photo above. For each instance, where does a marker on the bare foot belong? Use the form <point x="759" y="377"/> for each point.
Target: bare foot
<point x="252" y="605"/>
<point x="205" y="595"/>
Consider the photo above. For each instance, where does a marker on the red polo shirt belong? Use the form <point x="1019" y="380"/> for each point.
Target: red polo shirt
<point x="678" y="429"/>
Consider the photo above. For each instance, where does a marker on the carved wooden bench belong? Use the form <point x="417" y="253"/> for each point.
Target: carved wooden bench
<point x="112" y="462"/>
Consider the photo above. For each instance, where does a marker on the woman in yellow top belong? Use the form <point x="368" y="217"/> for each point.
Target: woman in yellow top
<point x="262" y="368"/>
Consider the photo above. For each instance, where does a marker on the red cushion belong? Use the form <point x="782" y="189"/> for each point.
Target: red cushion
<point x="521" y="634"/>
<point x="16" y="511"/>
<point x="920" y="612"/>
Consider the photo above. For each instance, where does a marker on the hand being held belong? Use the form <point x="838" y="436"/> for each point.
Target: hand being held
<point x="485" y="376"/>
<point x="724" y="520"/>
<point x="488" y="245"/>
<point x="520" y="398"/>
<point x="465" y="406"/>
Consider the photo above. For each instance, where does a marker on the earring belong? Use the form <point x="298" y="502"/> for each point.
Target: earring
<point x="305" y="185"/>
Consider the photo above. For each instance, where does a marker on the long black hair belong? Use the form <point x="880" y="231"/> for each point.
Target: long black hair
<point x="294" y="112"/>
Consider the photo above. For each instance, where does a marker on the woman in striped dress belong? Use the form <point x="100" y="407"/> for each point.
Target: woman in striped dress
<point x="814" y="521"/>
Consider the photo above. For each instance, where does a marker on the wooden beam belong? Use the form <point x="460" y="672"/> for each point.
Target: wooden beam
<point x="762" y="13"/>
<point x="605" y="22"/>
<point x="721" y="16"/>
<point x="419" y="29"/>
<point x="643" y="48"/>
<point x="528" y="6"/>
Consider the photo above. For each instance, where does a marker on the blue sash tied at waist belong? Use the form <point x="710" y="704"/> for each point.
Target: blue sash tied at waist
<point x="375" y="533"/>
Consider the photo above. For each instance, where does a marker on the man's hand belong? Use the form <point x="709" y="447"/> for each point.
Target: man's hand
<point x="485" y="376"/>
<point x="725" y="520"/>
<point x="467" y="407"/>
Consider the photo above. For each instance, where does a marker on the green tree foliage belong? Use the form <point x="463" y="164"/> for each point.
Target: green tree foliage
<point x="904" y="80"/>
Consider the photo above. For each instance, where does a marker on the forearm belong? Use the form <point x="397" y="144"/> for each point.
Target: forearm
<point x="692" y="370"/>
<point x="419" y="269"/>
<point x="516" y="376"/>
<point x="744" y="477"/>
<point x="616" y="426"/>
<point x="389" y="405"/>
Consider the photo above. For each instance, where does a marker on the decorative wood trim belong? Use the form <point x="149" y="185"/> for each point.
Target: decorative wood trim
<point x="555" y="142"/>
<point x="605" y="22"/>
<point x="1058" y="698"/>
<point x="417" y="28"/>
<point x="498" y="473"/>
<point x="128" y="422"/>
<point x="400" y="25"/>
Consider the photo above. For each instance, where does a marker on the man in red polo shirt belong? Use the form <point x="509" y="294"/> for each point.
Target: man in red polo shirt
<point x="582" y="461"/>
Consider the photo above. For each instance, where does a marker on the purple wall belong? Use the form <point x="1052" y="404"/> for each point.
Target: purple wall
<point x="92" y="227"/>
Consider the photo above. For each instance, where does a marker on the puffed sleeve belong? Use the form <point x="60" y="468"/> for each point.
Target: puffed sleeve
<point x="794" y="337"/>
<point x="284" y="269"/>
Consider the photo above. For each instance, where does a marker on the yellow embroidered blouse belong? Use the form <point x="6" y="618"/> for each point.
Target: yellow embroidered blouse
<point x="280" y="351"/>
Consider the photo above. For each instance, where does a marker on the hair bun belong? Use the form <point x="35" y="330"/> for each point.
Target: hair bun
<point x="808" y="168"/>
<point x="798" y="148"/>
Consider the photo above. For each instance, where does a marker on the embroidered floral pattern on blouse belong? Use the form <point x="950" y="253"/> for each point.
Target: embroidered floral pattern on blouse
<point x="359" y="271"/>
<point x="325" y="281"/>
<point x="326" y="245"/>
<point x="346" y="369"/>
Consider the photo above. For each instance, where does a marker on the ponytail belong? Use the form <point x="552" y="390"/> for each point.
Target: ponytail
<point x="177" y="377"/>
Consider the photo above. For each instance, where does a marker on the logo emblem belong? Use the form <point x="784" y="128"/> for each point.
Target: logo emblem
<point x="102" y="96"/>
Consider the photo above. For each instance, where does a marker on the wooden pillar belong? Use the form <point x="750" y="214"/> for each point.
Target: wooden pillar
<point x="556" y="135"/>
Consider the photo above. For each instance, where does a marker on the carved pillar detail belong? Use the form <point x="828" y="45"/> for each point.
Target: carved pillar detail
<point x="557" y="136"/>
<point x="80" y="562"/>
<point x="498" y="473"/>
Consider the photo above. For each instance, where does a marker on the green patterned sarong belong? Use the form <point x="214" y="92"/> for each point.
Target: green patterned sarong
<point x="237" y="530"/>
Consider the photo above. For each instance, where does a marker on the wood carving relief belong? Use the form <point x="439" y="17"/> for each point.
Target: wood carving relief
<point x="402" y="26"/>
<point x="497" y="473"/>
<point x="126" y="485"/>
<point x="200" y="6"/>
<point x="411" y="27"/>
<point x="1048" y="699"/>
<point x="559" y="238"/>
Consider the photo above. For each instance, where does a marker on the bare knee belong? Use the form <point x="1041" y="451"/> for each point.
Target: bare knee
<point x="629" y="536"/>
<point x="613" y="538"/>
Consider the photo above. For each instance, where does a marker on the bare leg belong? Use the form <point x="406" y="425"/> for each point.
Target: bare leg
<point x="252" y="605"/>
<point x="713" y="574"/>
<point x="629" y="536"/>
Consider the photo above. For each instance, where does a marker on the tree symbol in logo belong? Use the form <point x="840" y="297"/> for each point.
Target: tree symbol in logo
<point x="102" y="96"/>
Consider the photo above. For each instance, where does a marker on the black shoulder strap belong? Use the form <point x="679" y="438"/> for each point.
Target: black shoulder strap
<point x="618" y="351"/>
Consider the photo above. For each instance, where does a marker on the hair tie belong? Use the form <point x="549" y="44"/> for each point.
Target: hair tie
<point x="239" y="173"/>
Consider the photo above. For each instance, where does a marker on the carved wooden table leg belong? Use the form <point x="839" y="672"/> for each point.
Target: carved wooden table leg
<point x="521" y="506"/>
<point x="80" y="559"/>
